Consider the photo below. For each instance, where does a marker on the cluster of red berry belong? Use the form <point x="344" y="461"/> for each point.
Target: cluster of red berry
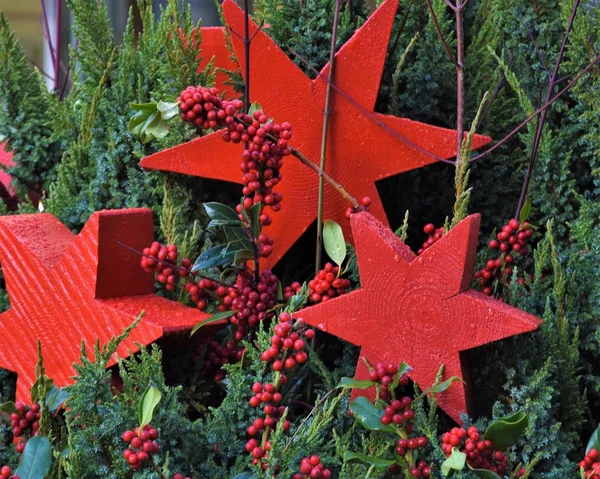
<point x="6" y="473"/>
<point x="512" y="240"/>
<point x="216" y="355"/>
<point x="202" y="107"/>
<point x="25" y="423"/>
<point x="591" y="464"/>
<point x="285" y="352"/>
<point x="163" y="260"/>
<point x="142" y="445"/>
<point x="399" y="412"/>
<point x="312" y="468"/>
<point x="384" y="374"/>
<point x="480" y="452"/>
<point x="178" y="475"/>
<point x="291" y="290"/>
<point x="365" y="202"/>
<point x="421" y="469"/>
<point x="326" y="285"/>
<point x="433" y="233"/>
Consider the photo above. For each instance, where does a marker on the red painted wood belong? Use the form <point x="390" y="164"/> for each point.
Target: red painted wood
<point x="7" y="191"/>
<point x="66" y="288"/>
<point x="359" y="152"/>
<point x="418" y="309"/>
<point x="213" y="47"/>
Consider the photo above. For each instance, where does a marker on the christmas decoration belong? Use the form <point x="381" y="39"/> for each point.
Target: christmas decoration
<point x="65" y="289"/>
<point x="418" y="309"/>
<point x="213" y="48"/>
<point x="359" y="150"/>
<point x="7" y="192"/>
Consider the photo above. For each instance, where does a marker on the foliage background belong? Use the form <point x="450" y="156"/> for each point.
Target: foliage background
<point x="84" y="159"/>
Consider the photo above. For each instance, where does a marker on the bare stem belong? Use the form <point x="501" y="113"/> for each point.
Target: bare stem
<point x="326" y="114"/>
<point x="460" y="79"/>
<point x="542" y="118"/>
<point x="440" y="34"/>
<point x="247" y="56"/>
<point x="57" y="55"/>
<point x="369" y="114"/>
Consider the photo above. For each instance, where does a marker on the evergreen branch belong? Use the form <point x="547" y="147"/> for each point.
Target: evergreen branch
<point x="396" y="75"/>
<point x="440" y="34"/>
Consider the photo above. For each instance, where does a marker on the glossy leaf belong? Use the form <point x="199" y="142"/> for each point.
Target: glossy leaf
<point x="219" y="211"/>
<point x="379" y="463"/>
<point x="485" y="473"/>
<point x="505" y="432"/>
<point x="594" y="442"/>
<point x="37" y="459"/>
<point x="242" y="256"/>
<point x="167" y="110"/>
<point x="233" y="234"/>
<point x="225" y="223"/>
<point x="220" y="316"/>
<point x="351" y="383"/>
<point x="41" y="385"/>
<point x="255" y="219"/>
<point x="55" y="398"/>
<point x="254" y="107"/>
<point x="455" y="462"/>
<point x="368" y="415"/>
<point x="525" y="210"/>
<point x="8" y="407"/>
<point x="402" y="370"/>
<point x="438" y="388"/>
<point x="213" y="257"/>
<point x="148" y="403"/>
<point x="334" y="242"/>
<point x="244" y="211"/>
<point x="238" y="244"/>
<point x="245" y="475"/>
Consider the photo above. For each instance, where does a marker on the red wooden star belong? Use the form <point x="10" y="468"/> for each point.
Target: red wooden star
<point x="359" y="152"/>
<point x="7" y="191"/>
<point x="65" y="289"/>
<point x="212" y="47"/>
<point x="418" y="309"/>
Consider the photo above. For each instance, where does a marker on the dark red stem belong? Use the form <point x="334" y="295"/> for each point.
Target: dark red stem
<point x="440" y="34"/>
<point x="247" y="42"/>
<point x="460" y="79"/>
<point x="57" y="54"/>
<point x="542" y="118"/>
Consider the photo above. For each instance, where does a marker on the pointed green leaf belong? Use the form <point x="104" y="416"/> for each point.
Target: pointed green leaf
<point x="255" y="219"/>
<point x="164" y="106"/>
<point x="485" y="473"/>
<point x="438" y="388"/>
<point x="43" y="383"/>
<point x="525" y="210"/>
<point x="37" y="459"/>
<point x="242" y="256"/>
<point x="368" y="415"/>
<point x="379" y="463"/>
<point x="244" y="211"/>
<point x="402" y="370"/>
<point x="254" y="107"/>
<point x="505" y="432"/>
<point x="219" y="211"/>
<point x="237" y="245"/>
<point x="145" y="107"/>
<point x="215" y="318"/>
<point x="455" y="462"/>
<point x="233" y="234"/>
<point x="8" y="407"/>
<point x="594" y="442"/>
<point x="213" y="257"/>
<point x="351" y="383"/>
<point x="56" y="398"/>
<point x="334" y="242"/>
<point x="148" y="403"/>
<point x="224" y="223"/>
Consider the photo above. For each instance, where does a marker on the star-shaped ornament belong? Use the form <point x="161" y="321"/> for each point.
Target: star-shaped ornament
<point x="359" y="151"/>
<point x="418" y="309"/>
<point x="213" y="48"/>
<point x="65" y="288"/>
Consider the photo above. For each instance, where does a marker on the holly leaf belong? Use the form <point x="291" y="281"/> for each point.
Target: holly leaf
<point x="225" y="223"/>
<point x="525" y="210"/>
<point x="255" y="219"/>
<point x="56" y="398"/>
<point x="506" y="431"/>
<point x="369" y="416"/>
<point x="148" y="403"/>
<point x="43" y="383"/>
<point x="485" y="473"/>
<point x="594" y="442"/>
<point x="213" y="257"/>
<point x="333" y="241"/>
<point x="215" y="318"/>
<point x="402" y="370"/>
<point x="438" y="388"/>
<point x="254" y="107"/>
<point x="454" y="462"/>
<point x="168" y="110"/>
<point x="379" y="463"/>
<point x="219" y="211"/>
<point x="351" y="383"/>
<point x="37" y="459"/>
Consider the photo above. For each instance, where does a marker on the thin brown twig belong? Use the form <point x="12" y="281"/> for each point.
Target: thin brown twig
<point x="260" y="27"/>
<point x="460" y="79"/>
<point x="368" y="114"/>
<point x="440" y="34"/>
<point x="537" y="112"/>
<point x="232" y="30"/>
<point x="538" y="52"/>
<point x="451" y="5"/>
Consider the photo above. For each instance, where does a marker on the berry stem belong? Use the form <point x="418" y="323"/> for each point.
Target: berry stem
<point x="156" y="468"/>
<point x="326" y="114"/>
<point x="305" y="161"/>
<point x="247" y="41"/>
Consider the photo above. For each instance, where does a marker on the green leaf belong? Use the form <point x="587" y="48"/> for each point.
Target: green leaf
<point x="438" y="388"/>
<point x="593" y="443"/>
<point x="255" y="219"/>
<point x="144" y="107"/>
<point x="55" y="398"/>
<point x="525" y="210"/>
<point x="245" y="475"/>
<point x="225" y="223"/>
<point x="402" y="370"/>
<point x="236" y="245"/>
<point x="43" y="383"/>
<point x="148" y="402"/>
<point x="219" y="211"/>
<point x="506" y="431"/>
<point x="485" y="473"/>
<point x="213" y="319"/>
<point x="368" y="415"/>
<point x="333" y="240"/>
<point x="37" y="459"/>
<point x="233" y="234"/>
<point x="8" y="407"/>
<point x="167" y="109"/>
<point x="213" y="257"/>
<point x="379" y="463"/>
<point x="254" y="107"/>
<point x="352" y="383"/>
<point x="242" y="256"/>
<point x="455" y="462"/>
<point x="244" y="211"/>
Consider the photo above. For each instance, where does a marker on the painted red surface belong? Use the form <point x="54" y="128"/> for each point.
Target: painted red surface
<point x="418" y="309"/>
<point x="66" y="288"/>
<point x="212" y="46"/>
<point x="359" y="152"/>
<point x="7" y="192"/>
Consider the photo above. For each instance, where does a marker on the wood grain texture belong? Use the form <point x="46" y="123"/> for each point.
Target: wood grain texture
<point x="359" y="152"/>
<point x="418" y="309"/>
<point x="212" y="47"/>
<point x="65" y="289"/>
